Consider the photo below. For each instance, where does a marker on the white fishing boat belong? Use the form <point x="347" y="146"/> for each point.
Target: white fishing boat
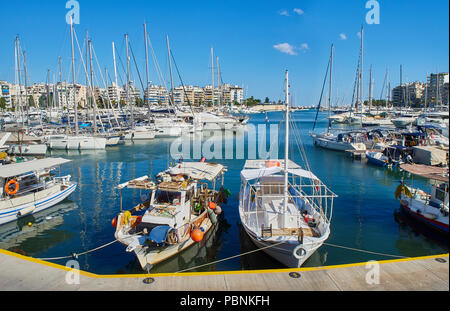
<point x="176" y="211"/>
<point x="28" y="188"/>
<point x="285" y="209"/>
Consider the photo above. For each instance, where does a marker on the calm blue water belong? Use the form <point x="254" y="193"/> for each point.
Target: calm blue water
<point x="363" y="215"/>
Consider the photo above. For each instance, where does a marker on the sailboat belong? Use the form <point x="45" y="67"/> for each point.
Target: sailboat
<point x="75" y="142"/>
<point x="343" y="141"/>
<point x="286" y="210"/>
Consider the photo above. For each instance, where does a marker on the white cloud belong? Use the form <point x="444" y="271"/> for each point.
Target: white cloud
<point x="343" y="36"/>
<point x="284" y="13"/>
<point x="304" y="46"/>
<point x="286" y="48"/>
<point x="291" y="49"/>
<point x="299" y="11"/>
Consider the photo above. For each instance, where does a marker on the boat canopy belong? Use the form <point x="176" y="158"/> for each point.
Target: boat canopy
<point x="198" y="170"/>
<point x="17" y="169"/>
<point x="426" y="171"/>
<point x="250" y="174"/>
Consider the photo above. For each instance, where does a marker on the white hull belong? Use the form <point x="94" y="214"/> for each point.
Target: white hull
<point x="35" y="205"/>
<point x="337" y="146"/>
<point x="140" y="135"/>
<point x="284" y="252"/>
<point x="77" y="143"/>
<point x="167" y="132"/>
<point x="403" y="122"/>
<point x="35" y="150"/>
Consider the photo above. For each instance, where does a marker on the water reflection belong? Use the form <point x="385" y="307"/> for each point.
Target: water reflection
<point x="42" y="235"/>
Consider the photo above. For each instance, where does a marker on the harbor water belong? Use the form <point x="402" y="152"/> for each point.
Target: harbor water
<point x="365" y="214"/>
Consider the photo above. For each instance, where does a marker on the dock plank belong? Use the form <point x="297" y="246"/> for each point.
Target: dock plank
<point x="20" y="273"/>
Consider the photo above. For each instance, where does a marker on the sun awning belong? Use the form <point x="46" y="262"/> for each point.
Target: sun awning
<point x="251" y="174"/>
<point x="426" y="171"/>
<point x="17" y="169"/>
<point x="198" y="170"/>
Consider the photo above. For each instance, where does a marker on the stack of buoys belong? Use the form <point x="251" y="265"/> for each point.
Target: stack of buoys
<point x="197" y="235"/>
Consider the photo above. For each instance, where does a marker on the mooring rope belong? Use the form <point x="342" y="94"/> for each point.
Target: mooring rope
<point x="232" y="257"/>
<point x="364" y="251"/>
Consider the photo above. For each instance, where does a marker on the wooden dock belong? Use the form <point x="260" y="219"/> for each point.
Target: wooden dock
<point x="431" y="273"/>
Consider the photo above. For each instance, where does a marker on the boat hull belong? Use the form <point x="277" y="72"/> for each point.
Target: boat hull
<point x="435" y="225"/>
<point x="283" y="252"/>
<point x="8" y="215"/>
<point x="159" y="255"/>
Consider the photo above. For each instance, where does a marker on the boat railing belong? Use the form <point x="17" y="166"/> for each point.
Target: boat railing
<point x="319" y="196"/>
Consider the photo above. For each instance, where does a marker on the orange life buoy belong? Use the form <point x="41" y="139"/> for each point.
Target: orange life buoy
<point x="8" y="187"/>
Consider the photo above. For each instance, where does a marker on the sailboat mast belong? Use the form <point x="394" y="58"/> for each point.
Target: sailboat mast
<point x="286" y="150"/>
<point x="73" y="79"/>
<point x="171" y="75"/>
<point x="329" y="92"/>
<point x="94" y="103"/>
<point x="212" y="76"/>
<point x="20" y="84"/>
<point x="115" y="75"/>
<point x="128" y="83"/>
<point x="146" y="99"/>
<point x="361" y="84"/>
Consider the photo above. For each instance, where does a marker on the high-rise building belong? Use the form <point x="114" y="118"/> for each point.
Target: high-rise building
<point x="437" y="89"/>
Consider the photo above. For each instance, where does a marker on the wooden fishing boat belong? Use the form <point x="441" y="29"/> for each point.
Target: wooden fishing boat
<point x="177" y="211"/>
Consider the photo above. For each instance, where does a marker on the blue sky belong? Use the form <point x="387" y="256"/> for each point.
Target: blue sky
<point x="244" y="35"/>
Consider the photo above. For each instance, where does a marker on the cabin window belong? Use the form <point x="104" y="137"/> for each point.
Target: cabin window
<point x="440" y="195"/>
<point x="164" y="197"/>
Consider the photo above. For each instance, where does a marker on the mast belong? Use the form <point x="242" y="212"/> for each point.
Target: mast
<point x="128" y="82"/>
<point x="361" y="67"/>
<point x="171" y="74"/>
<point x="20" y="84"/>
<point x="426" y="95"/>
<point x="115" y="75"/>
<point x="219" y="85"/>
<point x="27" y="100"/>
<point x="212" y="75"/>
<point x="73" y="79"/>
<point x="329" y="92"/>
<point x="94" y="103"/>
<point x="286" y="152"/>
<point x="146" y="99"/>
<point x="60" y="81"/>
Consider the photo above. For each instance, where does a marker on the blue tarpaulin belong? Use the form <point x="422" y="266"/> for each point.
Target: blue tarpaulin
<point x="159" y="234"/>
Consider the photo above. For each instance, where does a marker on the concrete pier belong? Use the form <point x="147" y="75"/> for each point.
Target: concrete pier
<point x="431" y="273"/>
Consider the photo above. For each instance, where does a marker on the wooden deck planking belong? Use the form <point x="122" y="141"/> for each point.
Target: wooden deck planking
<point x="22" y="274"/>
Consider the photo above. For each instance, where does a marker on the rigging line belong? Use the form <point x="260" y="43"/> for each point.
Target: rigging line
<point x="364" y="251"/>
<point x="86" y="252"/>
<point x="181" y="80"/>
<point x="232" y="257"/>
<point x="137" y="69"/>
<point x="321" y="94"/>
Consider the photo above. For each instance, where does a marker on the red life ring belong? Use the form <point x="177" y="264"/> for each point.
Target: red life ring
<point x="15" y="189"/>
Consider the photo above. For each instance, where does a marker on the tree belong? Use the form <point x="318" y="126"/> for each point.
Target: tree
<point x="3" y="103"/>
<point x="266" y="101"/>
